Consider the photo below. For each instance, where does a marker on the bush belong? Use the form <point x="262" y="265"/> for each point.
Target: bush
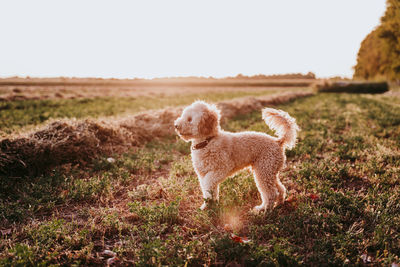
<point x="353" y="87"/>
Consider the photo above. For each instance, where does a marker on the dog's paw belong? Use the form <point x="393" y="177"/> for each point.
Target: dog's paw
<point x="259" y="208"/>
<point x="204" y="206"/>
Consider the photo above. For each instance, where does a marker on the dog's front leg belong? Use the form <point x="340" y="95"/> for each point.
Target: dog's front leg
<point x="210" y="188"/>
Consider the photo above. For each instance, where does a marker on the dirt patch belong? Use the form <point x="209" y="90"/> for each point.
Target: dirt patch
<point x="77" y="141"/>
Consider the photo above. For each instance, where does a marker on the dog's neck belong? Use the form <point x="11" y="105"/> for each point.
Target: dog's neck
<point x="202" y="143"/>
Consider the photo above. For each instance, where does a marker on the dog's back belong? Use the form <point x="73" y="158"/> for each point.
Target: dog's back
<point x="230" y="152"/>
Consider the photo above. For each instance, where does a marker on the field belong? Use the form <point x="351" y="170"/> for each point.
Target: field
<point x="72" y="88"/>
<point x="27" y="103"/>
<point x="141" y="206"/>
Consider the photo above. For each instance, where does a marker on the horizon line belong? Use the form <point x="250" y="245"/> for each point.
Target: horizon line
<point x="168" y="77"/>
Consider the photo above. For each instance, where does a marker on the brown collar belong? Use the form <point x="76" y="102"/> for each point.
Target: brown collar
<point x="202" y="144"/>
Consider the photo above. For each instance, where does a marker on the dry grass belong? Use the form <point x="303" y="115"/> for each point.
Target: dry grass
<point x="342" y="207"/>
<point x="13" y="89"/>
<point x="15" y="93"/>
<point x="76" y="141"/>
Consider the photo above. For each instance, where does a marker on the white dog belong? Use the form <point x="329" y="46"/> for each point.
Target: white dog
<point x="217" y="154"/>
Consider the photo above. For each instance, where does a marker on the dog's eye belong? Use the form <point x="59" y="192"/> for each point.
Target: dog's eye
<point x="189" y="119"/>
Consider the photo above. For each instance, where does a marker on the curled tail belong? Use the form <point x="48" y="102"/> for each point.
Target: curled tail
<point x="284" y="126"/>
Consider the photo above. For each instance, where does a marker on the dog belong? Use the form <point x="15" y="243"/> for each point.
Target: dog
<point x="217" y="154"/>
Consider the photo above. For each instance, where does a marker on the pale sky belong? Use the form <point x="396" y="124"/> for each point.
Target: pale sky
<point x="128" y="39"/>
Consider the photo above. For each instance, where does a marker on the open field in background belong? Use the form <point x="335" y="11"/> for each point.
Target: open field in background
<point x="67" y="88"/>
<point x="343" y="205"/>
<point x="28" y="113"/>
<point x="11" y="93"/>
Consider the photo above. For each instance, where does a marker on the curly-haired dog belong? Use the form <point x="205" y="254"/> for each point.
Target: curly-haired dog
<point x="217" y="154"/>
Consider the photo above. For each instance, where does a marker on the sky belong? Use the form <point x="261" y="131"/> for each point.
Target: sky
<point x="148" y="38"/>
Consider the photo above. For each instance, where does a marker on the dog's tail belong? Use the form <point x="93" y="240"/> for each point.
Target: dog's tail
<point x="284" y="126"/>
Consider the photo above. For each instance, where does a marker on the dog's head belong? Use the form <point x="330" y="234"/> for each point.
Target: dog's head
<point x="199" y="120"/>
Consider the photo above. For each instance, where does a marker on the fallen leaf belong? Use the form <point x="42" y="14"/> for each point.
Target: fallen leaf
<point x="239" y="239"/>
<point x="236" y="238"/>
<point x="313" y="197"/>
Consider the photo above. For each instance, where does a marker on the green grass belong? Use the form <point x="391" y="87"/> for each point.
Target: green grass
<point x="343" y="200"/>
<point x="15" y="115"/>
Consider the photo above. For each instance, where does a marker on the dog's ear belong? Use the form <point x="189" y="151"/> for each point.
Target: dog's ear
<point x="208" y="122"/>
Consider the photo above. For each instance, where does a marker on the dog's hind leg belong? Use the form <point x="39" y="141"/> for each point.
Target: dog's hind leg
<point x="266" y="185"/>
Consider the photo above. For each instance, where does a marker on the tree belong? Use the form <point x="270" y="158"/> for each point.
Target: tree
<point x="379" y="54"/>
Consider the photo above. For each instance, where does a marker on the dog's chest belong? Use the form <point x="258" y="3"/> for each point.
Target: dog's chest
<point x="202" y="160"/>
<point x="211" y="159"/>
<point x="199" y="157"/>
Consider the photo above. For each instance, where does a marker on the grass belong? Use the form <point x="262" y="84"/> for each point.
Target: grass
<point x="15" y="115"/>
<point x="343" y="205"/>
